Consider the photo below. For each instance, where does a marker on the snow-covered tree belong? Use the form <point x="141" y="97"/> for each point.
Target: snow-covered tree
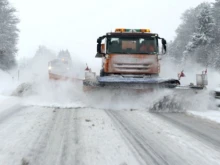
<point x="196" y="36"/>
<point x="44" y="52"/>
<point x="203" y="37"/>
<point x="204" y="29"/>
<point x="184" y="32"/>
<point x="8" y="35"/>
<point x="42" y="56"/>
<point x="64" y="53"/>
<point x="215" y="10"/>
<point x="216" y="15"/>
<point x="216" y="47"/>
<point x="38" y="65"/>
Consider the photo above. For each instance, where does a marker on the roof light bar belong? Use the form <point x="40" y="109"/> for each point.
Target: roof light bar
<point x="122" y="30"/>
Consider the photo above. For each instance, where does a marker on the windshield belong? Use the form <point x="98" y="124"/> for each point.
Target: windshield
<point x="132" y="45"/>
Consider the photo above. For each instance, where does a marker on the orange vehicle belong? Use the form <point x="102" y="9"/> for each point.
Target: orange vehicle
<point x="130" y="59"/>
<point x="61" y="67"/>
<point x="133" y="53"/>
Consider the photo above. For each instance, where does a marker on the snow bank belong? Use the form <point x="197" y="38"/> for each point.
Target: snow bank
<point x="2" y="98"/>
<point x="211" y="115"/>
<point x="8" y="83"/>
<point x="7" y="102"/>
<point x="23" y="89"/>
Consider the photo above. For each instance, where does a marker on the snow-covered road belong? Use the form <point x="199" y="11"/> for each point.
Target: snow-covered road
<point x="48" y="136"/>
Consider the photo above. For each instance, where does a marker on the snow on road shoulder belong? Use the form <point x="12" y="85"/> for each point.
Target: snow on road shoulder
<point x="210" y="115"/>
<point x="8" y="83"/>
<point x="3" y="98"/>
<point x="7" y="102"/>
<point x="21" y="131"/>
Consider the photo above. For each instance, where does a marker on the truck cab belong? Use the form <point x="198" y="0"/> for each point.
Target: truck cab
<point x="130" y="52"/>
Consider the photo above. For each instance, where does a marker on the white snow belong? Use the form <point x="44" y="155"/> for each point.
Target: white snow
<point x="8" y="82"/>
<point x="8" y="102"/>
<point x="211" y="115"/>
<point x="38" y="135"/>
<point x="99" y="136"/>
<point x="173" y="139"/>
<point x="2" y="98"/>
<point x="23" y="119"/>
<point x="217" y="89"/>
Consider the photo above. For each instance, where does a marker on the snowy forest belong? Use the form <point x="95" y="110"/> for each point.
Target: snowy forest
<point x="8" y="35"/>
<point x="198" y="36"/>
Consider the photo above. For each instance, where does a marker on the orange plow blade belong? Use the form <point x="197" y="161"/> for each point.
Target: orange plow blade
<point x="53" y="76"/>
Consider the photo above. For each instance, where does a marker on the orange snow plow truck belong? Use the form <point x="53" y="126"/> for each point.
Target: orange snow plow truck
<point x="130" y="59"/>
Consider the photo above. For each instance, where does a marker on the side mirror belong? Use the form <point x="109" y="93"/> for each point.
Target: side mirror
<point x="99" y="40"/>
<point x="99" y="48"/>
<point x="164" y="43"/>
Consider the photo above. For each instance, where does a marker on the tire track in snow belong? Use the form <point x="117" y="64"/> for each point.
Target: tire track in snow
<point x="39" y="144"/>
<point x="170" y="144"/>
<point x="58" y="142"/>
<point x="21" y="133"/>
<point x="69" y="152"/>
<point x="145" y="153"/>
<point x="202" y="130"/>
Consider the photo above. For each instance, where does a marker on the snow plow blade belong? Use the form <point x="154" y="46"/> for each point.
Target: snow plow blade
<point x="92" y="81"/>
<point x="132" y="83"/>
<point x="53" y="76"/>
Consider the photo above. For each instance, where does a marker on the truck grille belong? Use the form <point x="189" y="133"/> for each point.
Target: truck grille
<point x="138" y="67"/>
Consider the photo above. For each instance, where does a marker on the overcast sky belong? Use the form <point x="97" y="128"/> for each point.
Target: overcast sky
<point x="76" y="24"/>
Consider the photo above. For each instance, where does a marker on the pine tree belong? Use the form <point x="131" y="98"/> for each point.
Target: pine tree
<point x="204" y="36"/>
<point x="64" y="54"/>
<point x="198" y="36"/>
<point x="215" y="10"/>
<point x="216" y="15"/>
<point x="44" y="52"/>
<point x="204" y="29"/>
<point x="8" y="35"/>
<point x="184" y="32"/>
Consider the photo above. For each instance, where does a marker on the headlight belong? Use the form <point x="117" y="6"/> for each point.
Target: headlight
<point x="49" y="67"/>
